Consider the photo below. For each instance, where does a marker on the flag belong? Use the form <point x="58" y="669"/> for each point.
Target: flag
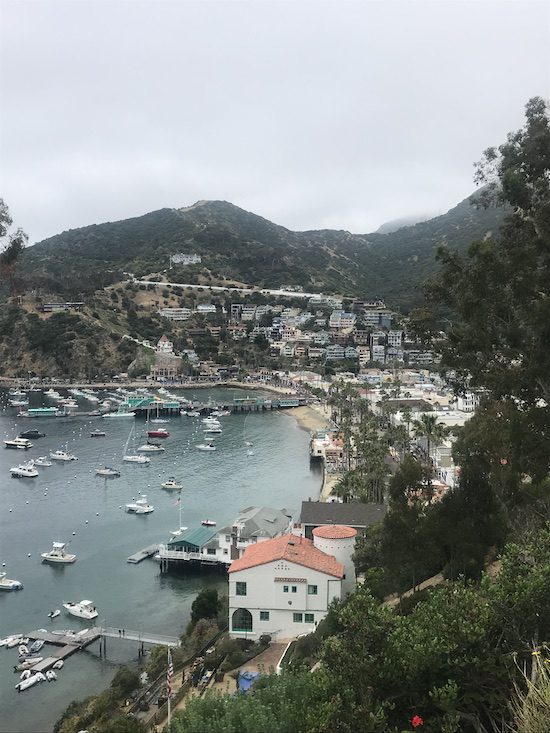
<point x="169" y="673"/>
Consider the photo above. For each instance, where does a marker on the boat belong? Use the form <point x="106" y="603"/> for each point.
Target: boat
<point x="192" y="413"/>
<point x="107" y="471"/>
<point x="171" y="483"/>
<point x="36" y="646"/>
<point x="25" y="470"/>
<point x="42" y="461"/>
<point x="208" y="523"/>
<point x="28" y="664"/>
<point x="136" y="459"/>
<point x="151" y="448"/>
<point x="141" y="506"/>
<point x="211" y="421"/>
<point x="16" y="393"/>
<point x="53" y="394"/>
<point x="51" y="675"/>
<point x="206" y="447"/>
<point x="18" y="443"/>
<point x="119" y="413"/>
<point x="19" y="403"/>
<point x="213" y="430"/>
<point x="9" y="585"/>
<point x="13" y="640"/>
<point x="84" y="609"/>
<point x="44" y="412"/>
<point x="158" y="433"/>
<point x="58" y="665"/>
<point x="159" y="421"/>
<point x="58" y="554"/>
<point x="30" y="681"/>
<point x="54" y="614"/>
<point x="97" y="434"/>
<point x="23" y="650"/>
<point x="61" y="455"/>
<point x="68" y="402"/>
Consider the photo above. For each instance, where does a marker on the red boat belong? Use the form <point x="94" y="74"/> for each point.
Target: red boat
<point x="158" y="433"/>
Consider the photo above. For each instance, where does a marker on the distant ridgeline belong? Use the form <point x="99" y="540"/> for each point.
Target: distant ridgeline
<point x="214" y="241"/>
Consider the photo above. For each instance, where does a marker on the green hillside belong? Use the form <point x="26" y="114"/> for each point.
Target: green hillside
<point x="236" y="245"/>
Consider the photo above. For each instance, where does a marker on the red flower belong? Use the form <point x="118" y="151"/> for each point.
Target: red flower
<point x="417" y="721"/>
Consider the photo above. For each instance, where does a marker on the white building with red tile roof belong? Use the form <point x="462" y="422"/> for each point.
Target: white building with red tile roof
<point x="284" y="586"/>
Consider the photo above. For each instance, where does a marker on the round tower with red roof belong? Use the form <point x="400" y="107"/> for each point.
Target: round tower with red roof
<point x="338" y="541"/>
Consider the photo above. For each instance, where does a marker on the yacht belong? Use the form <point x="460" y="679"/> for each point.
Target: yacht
<point x="58" y="554"/>
<point x="8" y="584"/>
<point x="25" y="470"/>
<point x="18" y="403"/>
<point x="32" y="433"/>
<point x="119" y="413"/>
<point x="42" y="461"/>
<point x="158" y="433"/>
<point x="213" y="430"/>
<point x="136" y="459"/>
<point x="211" y="421"/>
<point x="171" y="483"/>
<point x="151" y="448"/>
<point x="208" y="523"/>
<point x="97" y="434"/>
<point x="206" y="446"/>
<point x="84" y="609"/>
<point x="159" y="421"/>
<point x="61" y="455"/>
<point x="18" y="443"/>
<point x="141" y="506"/>
<point x="107" y="471"/>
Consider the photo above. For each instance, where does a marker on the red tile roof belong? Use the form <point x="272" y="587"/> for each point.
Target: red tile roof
<point x="334" y="532"/>
<point x="294" y="549"/>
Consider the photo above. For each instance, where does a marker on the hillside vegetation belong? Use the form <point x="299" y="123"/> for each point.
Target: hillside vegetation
<point x="236" y="245"/>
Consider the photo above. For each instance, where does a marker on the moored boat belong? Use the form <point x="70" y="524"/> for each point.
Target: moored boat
<point x="141" y="506"/>
<point x="42" y="461"/>
<point x="151" y="448"/>
<point x="84" y="609"/>
<point x="62" y="455"/>
<point x="136" y="459"/>
<point x="32" y="433"/>
<point x="58" y="554"/>
<point x="158" y="433"/>
<point x="107" y="471"/>
<point x="97" y="434"/>
<point x="171" y="483"/>
<point x="206" y="447"/>
<point x="9" y="585"/>
<point x="24" y="470"/>
<point x="54" y="614"/>
<point x="18" y="443"/>
<point x="208" y="523"/>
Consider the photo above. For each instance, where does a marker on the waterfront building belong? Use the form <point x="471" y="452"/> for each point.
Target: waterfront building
<point x="354" y="514"/>
<point x="283" y="587"/>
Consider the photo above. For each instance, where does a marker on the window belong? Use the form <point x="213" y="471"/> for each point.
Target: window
<point x="264" y="615"/>
<point x="312" y="590"/>
<point x="294" y="589"/>
<point x="297" y="618"/>
<point x="225" y="552"/>
<point x="228" y="538"/>
<point x="211" y="551"/>
<point x="285" y="588"/>
<point x="240" y="588"/>
<point x="309" y="618"/>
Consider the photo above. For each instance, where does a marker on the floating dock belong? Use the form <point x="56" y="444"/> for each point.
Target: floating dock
<point x="143" y="554"/>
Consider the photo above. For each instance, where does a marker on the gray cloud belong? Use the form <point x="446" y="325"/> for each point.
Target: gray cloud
<point x="312" y="114"/>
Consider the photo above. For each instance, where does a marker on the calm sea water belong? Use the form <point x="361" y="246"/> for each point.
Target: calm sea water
<point x="68" y="502"/>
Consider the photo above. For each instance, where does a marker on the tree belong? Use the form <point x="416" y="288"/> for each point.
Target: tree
<point x="11" y="248"/>
<point x="434" y="432"/>
<point x="206" y="605"/>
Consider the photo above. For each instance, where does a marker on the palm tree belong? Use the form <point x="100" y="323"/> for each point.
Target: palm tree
<point x="434" y="432"/>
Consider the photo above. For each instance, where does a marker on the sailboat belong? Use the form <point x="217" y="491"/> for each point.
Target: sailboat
<point x="133" y="457"/>
<point x="158" y="420"/>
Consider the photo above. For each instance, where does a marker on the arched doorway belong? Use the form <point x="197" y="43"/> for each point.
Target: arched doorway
<point x="241" y="620"/>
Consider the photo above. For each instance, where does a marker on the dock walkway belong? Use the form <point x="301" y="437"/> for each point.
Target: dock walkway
<point x="143" y="554"/>
<point x="140" y="636"/>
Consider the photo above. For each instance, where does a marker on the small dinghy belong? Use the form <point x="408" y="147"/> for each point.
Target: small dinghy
<point x="36" y="646"/>
<point x="54" y="614"/>
<point x="58" y="664"/>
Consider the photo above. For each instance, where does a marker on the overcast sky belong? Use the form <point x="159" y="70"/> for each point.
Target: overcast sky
<point x="313" y="114"/>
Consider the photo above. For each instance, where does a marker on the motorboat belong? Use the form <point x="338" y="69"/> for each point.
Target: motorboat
<point x="119" y="413"/>
<point x="58" y="554"/>
<point x="206" y="446"/>
<point x="141" y="506"/>
<point x="171" y="483"/>
<point x="53" y="394"/>
<point x="193" y="413"/>
<point x="58" y="665"/>
<point x="211" y="421"/>
<point x="158" y="433"/>
<point x="28" y="663"/>
<point x="84" y="609"/>
<point x="107" y="471"/>
<point x="8" y="584"/>
<point x="19" y="403"/>
<point x="151" y="448"/>
<point x="36" y="646"/>
<point x="13" y="640"/>
<point x="16" y="393"/>
<point x="159" y="421"/>
<point x="42" y="461"/>
<point x="61" y="455"/>
<point x="25" y="470"/>
<point x="30" y="681"/>
<point x="97" y="434"/>
<point x="68" y="402"/>
<point x="54" y="614"/>
<point x="208" y="523"/>
<point x="18" y="443"/>
<point x="51" y="675"/>
<point x="32" y="433"/>
<point x="213" y="430"/>
<point x="23" y="650"/>
<point x="136" y="459"/>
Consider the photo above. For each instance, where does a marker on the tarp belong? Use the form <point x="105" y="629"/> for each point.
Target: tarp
<point x="246" y="680"/>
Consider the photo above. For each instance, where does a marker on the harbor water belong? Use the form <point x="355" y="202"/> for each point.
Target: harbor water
<point x="68" y="502"/>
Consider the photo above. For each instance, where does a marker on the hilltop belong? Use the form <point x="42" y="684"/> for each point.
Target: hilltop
<point x="237" y="245"/>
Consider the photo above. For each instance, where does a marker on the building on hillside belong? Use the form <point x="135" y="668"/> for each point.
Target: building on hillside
<point x="164" y="345"/>
<point x="183" y="259"/>
<point x="236" y="311"/>
<point x="283" y="587"/>
<point x="467" y="402"/>
<point x="205" y="308"/>
<point x="176" y="314"/>
<point x="166" y="366"/>
<point x="395" y="339"/>
<point x="378" y="354"/>
<point x="222" y="546"/>
<point x="335" y="352"/>
<point x="248" y="312"/>
<point x="341" y="319"/>
<point x="354" y="514"/>
<point x="67" y="306"/>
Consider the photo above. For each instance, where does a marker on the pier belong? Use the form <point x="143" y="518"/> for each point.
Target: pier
<point x="140" y="555"/>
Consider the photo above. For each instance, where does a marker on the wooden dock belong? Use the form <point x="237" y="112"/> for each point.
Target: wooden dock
<point x="143" y="554"/>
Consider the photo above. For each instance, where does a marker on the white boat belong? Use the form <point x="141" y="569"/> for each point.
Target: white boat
<point x="119" y="413"/>
<point x="18" y="403"/>
<point x="62" y="455"/>
<point x="8" y="584"/>
<point x="42" y="461"/>
<point x="206" y="447"/>
<point x="18" y="443"/>
<point x="36" y="646"/>
<point x="208" y="523"/>
<point x="213" y="430"/>
<point x="171" y="483"/>
<point x="84" y="609"/>
<point x="53" y="394"/>
<point x="141" y="506"/>
<point x="211" y="421"/>
<point x="58" y="554"/>
<point x="16" y="393"/>
<point x="54" y="614"/>
<point x="29" y="682"/>
<point x="28" y="663"/>
<point x="51" y="675"/>
<point x="136" y="459"/>
<point x="159" y="421"/>
<point x="58" y="664"/>
<point x="25" y="470"/>
<point x="192" y="413"/>
<point x="107" y="471"/>
<point x="151" y="448"/>
<point x="23" y="650"/>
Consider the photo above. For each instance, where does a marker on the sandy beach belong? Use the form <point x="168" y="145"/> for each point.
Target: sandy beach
<point x="311" y="417"/>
